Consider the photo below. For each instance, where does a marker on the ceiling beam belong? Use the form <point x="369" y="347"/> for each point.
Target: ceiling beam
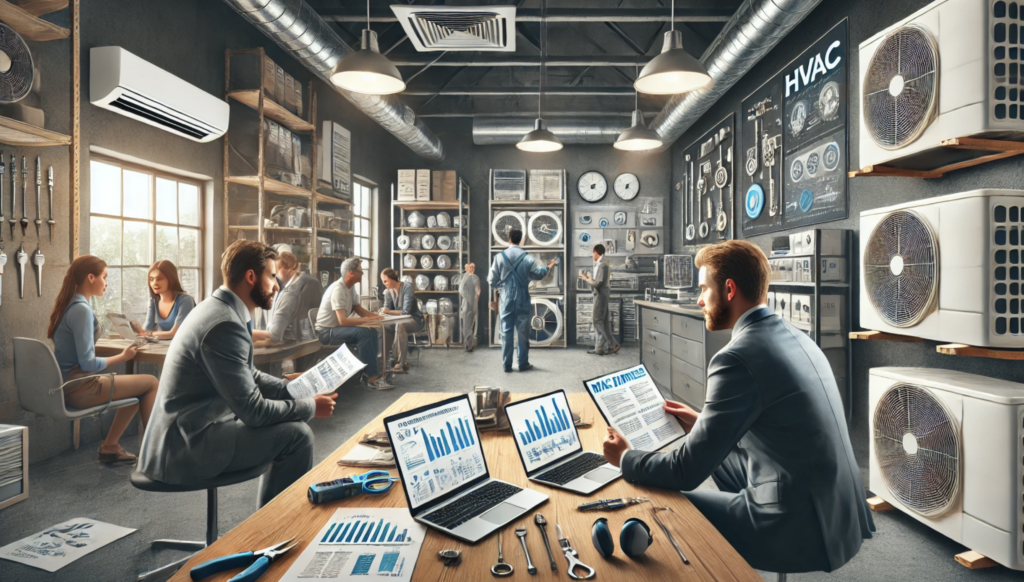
<point x="434" y="94"/>
<point x="639" y="50"/>
<point x="532" y="113"/>
<point x="519" y="91"/>
<point x="528" y="37"/>
<point x="563" y="15"/>
<point x="486" y="60"/>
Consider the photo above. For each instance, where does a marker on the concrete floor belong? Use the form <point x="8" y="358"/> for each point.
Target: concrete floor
<point x="74" y="485"/>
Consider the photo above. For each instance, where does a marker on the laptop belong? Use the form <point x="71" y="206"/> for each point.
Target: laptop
<point x="444" y="473"/>
<point x="122" y="326"/>
<point x="549" y="445"/>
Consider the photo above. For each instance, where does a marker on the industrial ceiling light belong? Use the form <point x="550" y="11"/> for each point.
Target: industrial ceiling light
<point x="367" y="71"/>
<point x="638" y="137"/>
<point x="674" y="70"/>
<point x="540" y="139"/>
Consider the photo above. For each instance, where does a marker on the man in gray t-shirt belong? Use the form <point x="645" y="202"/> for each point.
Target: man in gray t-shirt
<point x="469" y="299"/>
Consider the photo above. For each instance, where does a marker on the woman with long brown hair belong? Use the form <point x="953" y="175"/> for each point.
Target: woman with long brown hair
<point x="74" y="330"/>
<point x="169" y="305"/>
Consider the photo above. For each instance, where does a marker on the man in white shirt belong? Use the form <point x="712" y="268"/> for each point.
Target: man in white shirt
<point x="339" y="319"/>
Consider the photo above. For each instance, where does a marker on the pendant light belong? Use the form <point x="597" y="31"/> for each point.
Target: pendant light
<point x="367" y="71"/>
<point x="638" y="137"/>
<point x="540" y="139"/>
<point x="674" y="70"/>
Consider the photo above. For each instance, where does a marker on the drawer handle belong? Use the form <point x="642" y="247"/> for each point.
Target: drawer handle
<point x="652" y="352"/>
<point x="655" y="319"/>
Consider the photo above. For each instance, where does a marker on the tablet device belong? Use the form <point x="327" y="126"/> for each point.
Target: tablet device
<point x="631" y="403"/>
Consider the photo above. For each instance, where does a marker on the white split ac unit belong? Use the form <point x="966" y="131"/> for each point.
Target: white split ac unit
<point x="946" y="449"/>
<point x="124" y="83"/>
<point x="949" y="268"/>
<point x="951" y="69"/>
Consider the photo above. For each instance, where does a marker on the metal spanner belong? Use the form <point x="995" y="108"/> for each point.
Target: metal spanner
<point x="521" y="533"/>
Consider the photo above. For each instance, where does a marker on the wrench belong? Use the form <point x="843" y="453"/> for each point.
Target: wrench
<point x="39" y="187"/>
<point x="49" y="176"/>
<point x="24" y="187"/>
<point x="22" y="258"/>
<point x="14" y="193"/>
<point x="521" y="532"/>
<point x="541" y="523"/>
<point x="38" y="259"/>
<point x="3" y="261"/>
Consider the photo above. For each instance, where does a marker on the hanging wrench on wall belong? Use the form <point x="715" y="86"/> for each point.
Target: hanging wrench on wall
<point x="38" y="259"/>
<point x="22" y="258"/>
<point x="49" y="178"/>
<point x="39" y="187"/>
<point x="14" y="193"/>
<point x="24" y="188"/>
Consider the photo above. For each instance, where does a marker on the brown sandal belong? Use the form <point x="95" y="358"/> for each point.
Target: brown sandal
<point x="122" y="457"/>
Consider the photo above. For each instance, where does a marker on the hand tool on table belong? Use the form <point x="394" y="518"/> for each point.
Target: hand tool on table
<point x="542" y="524"/>
<point x="619" y="503"/>
<point x="571" y="557"/>
<point x="24" y="187"/>
<point x="668" y="534"/>
<point x="450" y="557"/>
<point x="39" y="187"/>
<point x="502" y="568"/>
<point x="14" y="193"/>
<point x="38" y="259"/>
<point x="521" y="534"/>
<point x="3" y="261"/>
<point x="371" y="482"/>
<point x="49" y="178"/>
<point x="258" y="562"/>
<point x="22" y="258"/>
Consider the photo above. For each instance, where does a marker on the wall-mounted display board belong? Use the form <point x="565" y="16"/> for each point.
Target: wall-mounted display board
<point x="708" y="182"/>
<point x="793" y="142"/>
<point x="623" y="230"/>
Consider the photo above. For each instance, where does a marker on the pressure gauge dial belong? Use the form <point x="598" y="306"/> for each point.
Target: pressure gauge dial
<point x="627" y="186"/>
<point x="592" y="186"/>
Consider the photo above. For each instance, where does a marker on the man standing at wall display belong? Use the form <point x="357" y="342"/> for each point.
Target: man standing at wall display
<point x="510" y="275"/>
<point x="604" y="339"/>
<point x="469" y="298"/>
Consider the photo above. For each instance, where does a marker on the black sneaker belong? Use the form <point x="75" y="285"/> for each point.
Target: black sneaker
<point x="525" y="368"/>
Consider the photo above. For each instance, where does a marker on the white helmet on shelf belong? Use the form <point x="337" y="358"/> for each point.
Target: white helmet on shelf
<point x="415" y="219"/>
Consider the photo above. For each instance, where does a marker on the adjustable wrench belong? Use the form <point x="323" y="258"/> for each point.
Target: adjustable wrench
<point x="39" y="187"/>
<point x="49" y="177"/>
<point x="14" y="193"/>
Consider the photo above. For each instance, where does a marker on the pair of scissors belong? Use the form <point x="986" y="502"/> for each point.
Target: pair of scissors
<point x="374" y="482"/>
<point x="258" y="562"/>
<point x="570" y="555"/>
<point x="371" y="482"/>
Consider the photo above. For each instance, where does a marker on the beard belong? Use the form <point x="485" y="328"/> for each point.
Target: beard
<point x="716" y="317"/>
<point x="261" y="298"/>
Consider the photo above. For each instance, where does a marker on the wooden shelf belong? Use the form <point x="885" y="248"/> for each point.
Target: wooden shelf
<point x="271" y="109"/>
<point x="528" y="203"/>
<point x="999" y="150"/>
<point x="252" y="228"/>
<point x="432" y="270"/>
<point x="287" y="229"/>
<point x="332" y="231"/>
<point x="414" y="229"/>
<point x="342" y="258"/>
<point x="325" y="199"/>
<point x="881" y="335"/>
<point x="28" y="25"/>
<point x="40" y="7"/>
<point x="426" y="205"/>
<point x="270" y="185"/>
<point x="447" y="252"/>
<point x="16" y="133"/>
<point x="945" y="349"/>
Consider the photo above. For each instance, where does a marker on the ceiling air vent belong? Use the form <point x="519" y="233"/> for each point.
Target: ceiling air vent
<point x="459" y="28"/>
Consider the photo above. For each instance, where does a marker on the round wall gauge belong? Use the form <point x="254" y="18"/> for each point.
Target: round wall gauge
<point x="592" y="186"/>
<point x="627" y="186"/>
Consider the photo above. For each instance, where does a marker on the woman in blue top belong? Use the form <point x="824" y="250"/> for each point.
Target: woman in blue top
<point x="399" y="300"/>
<point x="169" y="305"/>
<point x="74" y="330"/>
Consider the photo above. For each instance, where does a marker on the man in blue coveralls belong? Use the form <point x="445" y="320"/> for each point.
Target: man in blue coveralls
<point x="511" y="272"/>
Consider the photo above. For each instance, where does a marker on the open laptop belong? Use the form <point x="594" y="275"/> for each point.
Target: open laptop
<point x="444" y="473"/>
<point x="549" y="445"/>
<point x="122" y="326"/>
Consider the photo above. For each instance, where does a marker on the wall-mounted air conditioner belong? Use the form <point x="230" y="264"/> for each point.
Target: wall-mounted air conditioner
<point x="949" y="268"/>
<point x="952" y="69"/>
<point x="946" y="449"/>
<point x="124" y="83"/>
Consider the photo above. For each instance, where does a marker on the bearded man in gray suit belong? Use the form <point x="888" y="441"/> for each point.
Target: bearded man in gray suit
<point x="772" y="433"/>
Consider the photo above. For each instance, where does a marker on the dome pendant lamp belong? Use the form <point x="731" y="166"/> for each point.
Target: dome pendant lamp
<point x="367" y="71"/>
<point x="540" y="139"/>
<point x="674" y="70"/>
<point x="638" y="137"/>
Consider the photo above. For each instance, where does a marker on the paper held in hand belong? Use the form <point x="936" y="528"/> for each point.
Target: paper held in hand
<point x="326" y="376"/>
<point x="633" y="405"/>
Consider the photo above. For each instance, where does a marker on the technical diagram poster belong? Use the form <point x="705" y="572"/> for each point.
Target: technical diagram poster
<point x="438" y="450"/>
<point x="759" y="180"/>
<point x="706" y="192"/>
<point x="632" y="405"/>
<point x="543" y="429"/>
<point x="57" y="546"/>
<point x="361" y="544"/>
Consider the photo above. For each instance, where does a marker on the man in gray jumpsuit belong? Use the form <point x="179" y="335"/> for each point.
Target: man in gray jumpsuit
<point x="511" y="273"/>
<point x="469" y="298"/>
<point x="604" y="339"/>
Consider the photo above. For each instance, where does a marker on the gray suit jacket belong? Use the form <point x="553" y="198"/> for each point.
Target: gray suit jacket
<point x="208" y="382"/>
<point x="771" y="393"/>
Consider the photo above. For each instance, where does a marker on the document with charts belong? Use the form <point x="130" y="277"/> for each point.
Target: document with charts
<point x="632" y="405"/>
<point x="326" y="376"/>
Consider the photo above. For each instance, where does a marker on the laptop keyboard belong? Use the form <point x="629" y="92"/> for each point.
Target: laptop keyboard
<point x="577" y="467"/>
<point x="469" y="506"/>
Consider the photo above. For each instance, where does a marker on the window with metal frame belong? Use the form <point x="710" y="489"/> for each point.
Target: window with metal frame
<point x="362" y="226"/>
<point x="138" y="216"/>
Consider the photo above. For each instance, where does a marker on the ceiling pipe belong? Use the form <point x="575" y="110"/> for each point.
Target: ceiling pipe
<point x="713" y="14"/>
<point x="502" y="130"/>
<point x="298" y="29"/>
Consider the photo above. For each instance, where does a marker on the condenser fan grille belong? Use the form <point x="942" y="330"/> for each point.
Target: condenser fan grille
<point x="901" y="87"/>
<point x="545" y="228"/>
<point x="901" y="269"/>
<point x="917" y="447"/>
<point x="504" y="222"/>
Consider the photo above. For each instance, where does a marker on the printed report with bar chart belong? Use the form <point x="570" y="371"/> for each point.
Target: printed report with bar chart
<point x="543" y="428"/>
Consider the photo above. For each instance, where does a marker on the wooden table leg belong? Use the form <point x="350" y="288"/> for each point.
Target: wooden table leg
<point x="76" y="432"/>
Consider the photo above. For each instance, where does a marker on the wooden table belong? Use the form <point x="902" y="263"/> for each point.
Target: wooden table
<point x="291" y="515"/>
<point x="383" y="323"/>
<point x="157" y="352"/>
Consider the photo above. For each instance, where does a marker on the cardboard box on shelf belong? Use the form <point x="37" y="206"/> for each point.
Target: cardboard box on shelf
<point x="269" y="78"/>
<point x="802" y="243"/>
<point x="407" y="185"/>
<point x="782" y="305"/>
<point x="800" y="311"/>
<point x="449" y="187"/>
<point x="436" y="181"/>
<point x="289" y="93"/>
<point x="833" y="269"/>
<point x="781" y="269"/>
<point x="832" y="313"/>
<point x="279" y="86"/>
<point x="422" y="185"/>
<point x="298" y="99"/>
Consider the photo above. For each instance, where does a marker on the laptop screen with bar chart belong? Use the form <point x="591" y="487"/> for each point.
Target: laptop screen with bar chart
<point x="543" y="429"/>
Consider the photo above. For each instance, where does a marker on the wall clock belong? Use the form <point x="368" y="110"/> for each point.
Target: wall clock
<point x="627" y="186"/>
<point x="592" y="186"/>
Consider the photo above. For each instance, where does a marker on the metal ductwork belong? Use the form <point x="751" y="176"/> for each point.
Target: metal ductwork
<point x="755" y="29"/>
<point x="569" y="130"/>
<point x="297" y="28"/>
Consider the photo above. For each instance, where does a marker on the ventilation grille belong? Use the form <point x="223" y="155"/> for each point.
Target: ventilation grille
<point x="477" y="28"/>
<point x="545" y="228"/>
<point x="1008" y="270"/>
<point x="546" y="323"/>
<point x="901" y="87"/>
<point x="1020" y="480"/>
<point x="504" y="222"/>
<point x="1007" y="60"/>
<point x="917" y="447"/>
<point x="901" y="269"/>
<point x="136" y="105"/>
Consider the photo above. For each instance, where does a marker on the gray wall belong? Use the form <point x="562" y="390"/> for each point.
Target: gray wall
<point x="474" y="162"/>
<point x="867" y="18"/>
<point x="187" y="38"/>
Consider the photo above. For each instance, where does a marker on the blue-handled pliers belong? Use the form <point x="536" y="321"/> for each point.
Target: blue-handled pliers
<point x="258" y="562"/>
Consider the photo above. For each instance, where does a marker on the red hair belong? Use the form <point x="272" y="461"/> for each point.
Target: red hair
<point x="77" y="274"/>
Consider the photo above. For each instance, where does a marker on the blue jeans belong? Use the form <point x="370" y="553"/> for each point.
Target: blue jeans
<point x="512" y="322"/>
<point x="364" y="338"/>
